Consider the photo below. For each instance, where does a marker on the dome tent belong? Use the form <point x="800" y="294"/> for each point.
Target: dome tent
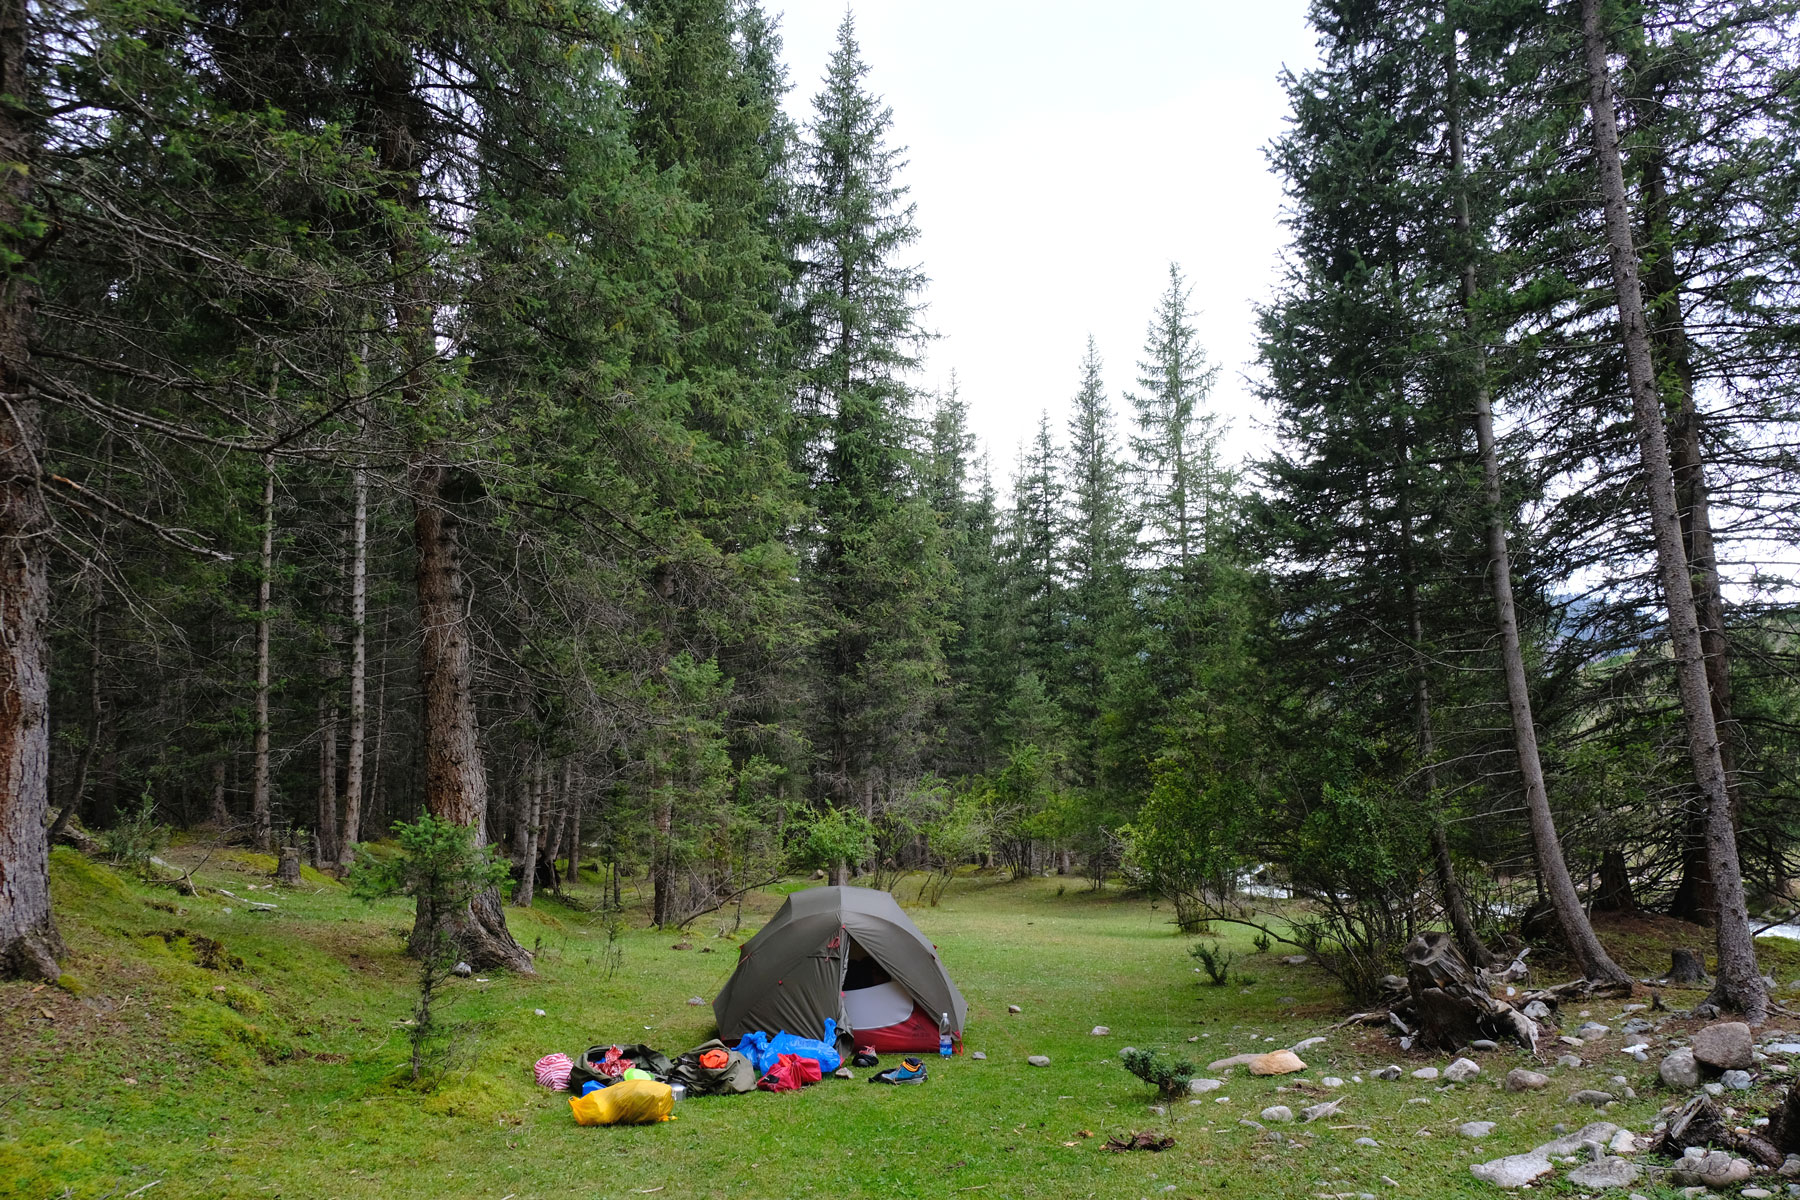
<point x="843" y="953"/>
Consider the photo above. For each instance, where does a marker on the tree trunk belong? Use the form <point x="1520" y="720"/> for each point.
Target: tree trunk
<point x="1740" y="986"/>
<point x="29" y="943"/>
<point x="262" y="821"/>
<point x="554" y="820"/>
<point x="531" y="807"/>
<point x="1614" y="893"/>
<point x="572" y="833"/>
<point x="84" y="761"/>
<point x="220" y="815"/>
<point x="663" y="867"/>
<point x="328" y="765"/>
<point x="1596" y="965"/>
<point x="359" y="667"/>
<point x="1686" y="967"/>
<point x="287" y="865"/>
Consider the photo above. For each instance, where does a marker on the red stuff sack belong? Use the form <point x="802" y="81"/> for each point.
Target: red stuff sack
<point x="789" y="1074"/>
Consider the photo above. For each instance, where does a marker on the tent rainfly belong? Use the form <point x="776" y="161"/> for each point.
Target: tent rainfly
<point x="846" y="953"/>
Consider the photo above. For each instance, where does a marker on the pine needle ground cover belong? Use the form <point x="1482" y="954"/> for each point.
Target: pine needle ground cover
<point x="218" y="1050"/>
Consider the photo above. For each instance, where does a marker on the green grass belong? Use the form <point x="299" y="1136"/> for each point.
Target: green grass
<point x="167" y="1058"/>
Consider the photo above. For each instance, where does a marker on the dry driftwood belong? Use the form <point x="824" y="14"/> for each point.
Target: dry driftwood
<point x="1451" y="1004"/>
<point x="1700" y="1123"/>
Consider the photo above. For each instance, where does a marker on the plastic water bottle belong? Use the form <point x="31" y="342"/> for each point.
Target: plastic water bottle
<point x="944" y="1047"/>
<point x="679" y="1091"/>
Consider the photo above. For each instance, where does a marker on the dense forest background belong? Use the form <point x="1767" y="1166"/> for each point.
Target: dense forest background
<point x="505" y="411"/>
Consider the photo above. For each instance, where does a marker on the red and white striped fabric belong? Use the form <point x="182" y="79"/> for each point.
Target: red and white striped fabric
<point x="552" y="1071"/>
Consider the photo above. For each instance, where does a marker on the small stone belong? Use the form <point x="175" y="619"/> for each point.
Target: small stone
<point x="1012" y="1008"/>
<point x="1623" y="1142"/>
<point x="695" y="1002"/>
<point x="1592" y="1031"/>
<point x="1277" y="1113"/>
<point x="1462" y="1070"/>
<point x="1475" y="1129"/>
<point x="1314" y="1112"/>
<point x="1679" y="1071"/>
<point x="1520" y="1080"/>
<point x="1786" y="1049"/>
<point x="1426" y="1073"/>
<point x="1635" y="1048"/>
<point x="1566" y="1040"/>
<point x="1756" y="1193"/>
<point x="1246" y="1121"/>
<point x="1389" y="1072"/>
<point x="1038" y="1060"/>
<point x="1370" y="1142"/>
<point x="1592" y="1097"/>
<point x="540" y="1012"/>
<point x="1513" y="1171"/>
<point x="1295" y="960"/>
<point x="1568" y="1060"/>
<point x="1483" y="1044"/>
<point x="1419" y="1100"/>
<point x="1737" y="1081"/>
<point x="1200" y="1087"/>
<point x="1715" y="1169"/>
<point x="1159" y="1110"/>
<point x="1307" y="1044"/>
<point x="1537" y="1010"/>
<point x="843" y="1073"/>
<point x="1607" y="1173"/>
<point x="1099" y="1031"/>
<point x="1724" y="1046"/>
<point x="463" y="969"/>
<point x="1715" y="1089"/>
<point x="1331" y="1081"/>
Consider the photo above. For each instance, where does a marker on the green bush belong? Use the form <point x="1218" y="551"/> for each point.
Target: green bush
<point x="1169" y="1075"/>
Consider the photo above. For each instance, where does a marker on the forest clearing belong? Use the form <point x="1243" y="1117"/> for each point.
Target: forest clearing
<point x="268" y="1060"/>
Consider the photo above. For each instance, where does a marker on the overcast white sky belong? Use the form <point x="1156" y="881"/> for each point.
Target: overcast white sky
<point x="1062" y="154"/>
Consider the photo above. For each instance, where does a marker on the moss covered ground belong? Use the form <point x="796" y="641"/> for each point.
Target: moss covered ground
<point x="200" y="1047"/>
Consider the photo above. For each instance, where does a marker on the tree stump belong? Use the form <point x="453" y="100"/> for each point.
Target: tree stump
<point x="1452" y="1006"/>
<point x="1686" y="967"/>
<point x="1784" y="1123"/>
<point x="287" y="869"/>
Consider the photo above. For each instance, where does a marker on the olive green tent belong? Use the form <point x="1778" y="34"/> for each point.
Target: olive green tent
<point x="829" y="943"/>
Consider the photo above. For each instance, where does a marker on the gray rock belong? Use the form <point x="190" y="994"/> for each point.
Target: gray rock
<point x="1636" y="1025"/>
<point x="1786" y="1049"/>
<point x="1520" y="1080"/>
<point x="1568" y="1060"/>
<point x="1592" y="1030"/>
<point x="1248" y="1122"/>
<point x="979" y="1056"/>
<point x="1513" y="1171"/>
<point x="1679" y="1071"/>
<point x="1537" y="1010"/>
<point x="1462" y="1070"/>
<point x="1607" y="1173"/>
<point x="1623" y="1142"/>
<point x="1331" y="1081"/>
<point x="1713" y="1169"/>
<point x="1038" y="1060"/>
<point x="1012" y="1008"/>
<point x="1715" y="1089"/>
<point x="1202" y="1086"/>
<point x="1307" y="1044"/>
<point x="1725" y="1046"/>
<point x="1159" y="1110"/>
<point x="1277" y="1113"/>
<point x="1592" y="1097"/>
<point x="1425" y="1073"/>
<point x="463" y="969"/>
<point x="1483" y="1044"/>
<point x="1756" y="1193"/>
<point x="1100" y="1031"/>
<point x="1475" y="1129"/>
<point x="1790" y="1167"/>
<point x="1369" y="1142"/>
<point x="695" y="1002"/>
<point x="1737" y="1081"/>
<point x="1389" y="1072"/>
<point x="1296" y="960"/>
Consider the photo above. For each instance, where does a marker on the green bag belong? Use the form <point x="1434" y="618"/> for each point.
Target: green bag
<point x="735" y="1076"/>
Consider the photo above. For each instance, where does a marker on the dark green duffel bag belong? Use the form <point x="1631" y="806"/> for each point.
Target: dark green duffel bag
<point x="714" y="1069"/>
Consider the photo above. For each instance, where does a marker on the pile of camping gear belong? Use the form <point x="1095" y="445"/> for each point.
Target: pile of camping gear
<point x="844" y="967"/>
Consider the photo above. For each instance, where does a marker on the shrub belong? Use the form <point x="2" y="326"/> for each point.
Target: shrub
<point x="1170" y="1076"/>
<point x="1215" y="962"/>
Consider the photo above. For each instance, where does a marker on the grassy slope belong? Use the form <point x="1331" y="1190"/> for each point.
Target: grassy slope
<point x="278" y="1076"/>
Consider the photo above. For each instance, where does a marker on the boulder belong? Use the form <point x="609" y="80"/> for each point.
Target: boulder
<point x="1724" y="1046"/>
<point x="1038" y="1060"/>
<point x="1462" y="1070"/>
<point x="1679" y="1071"/>
<point x="1592" y="1030"/>
<point x="1200" y="1087"/>
<point x="1517" y="1170"/>
<point x="1710" y="1169"/>
<point x="1425" y="1073"/>
<point x="1737" y="1081"/>
<point x="1592" y="1097"/>
<point x="1331" y="1081"/>
<point x="1568" y="1060"/>
<point x="1276" y="1112"/>
<point x="1520" y="1080"/>
<point x="1606" y="1173"/>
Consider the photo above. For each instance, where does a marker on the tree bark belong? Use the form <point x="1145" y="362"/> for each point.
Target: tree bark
<point x="531" y="807"/>
<point x="326" y="832"/>
<point x="572" y="832"/>
<point x="220" y="816"/>
<point x="1578" y="932"/>
<point x="29" y="943"/>
<point x="663" y="867"/>
<point x="262" y="821"/>
<point x="550" y="845"/>
<point x="359" y="667"/>
<point x="1740" y="987"/>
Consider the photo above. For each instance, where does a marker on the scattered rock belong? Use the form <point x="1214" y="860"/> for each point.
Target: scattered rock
<point x="1483" y="1044"/>
<point x="463" y="969"/>
<point x="1710" y="1168"/>
<point x="1235" y="1060"/>
<point x="979" y="1056"/>
<point x="695" y="1002"/>
<point x="1624" y="1142"/>
<point x="1099" y="1031"/>
<point x="1475" y="1129"/>
<point x="1314" y="1111"/>
<point x="1038" y="1060"/>
<point x="1606" y="1173"/>
<point x="1277" y="1113"/>
<point x="843" y="1073"/>
<point x="1517" y="1170"/>
<point x="1331" y="1081"/>
<point x="1296" y="960"/>
<point x="1725" y="1046"/>
<point x="1786" y="1049"/>
<point x="1307" y="1044"/>
<point x="1389" y="1072"/>
<point x="1568" y="1060"/>
<point x="1537" y="1010"/>
<point x="1737" y="1081"/>
<point x="1592" y="1097"/>
<point x="1520" y="1080"/>
<point x="1012" y="1008"/>
<point x="1715" y="1089"/>
<point x="1462" y="1070"/>
<point x="1679" y="1071"/>
<point x="1202" y="1086"/>
<point x="1756" y="1193"/>
<point x="1425" y="1073"/>
<point x="538" y="1011"/>
<point x="1369" y="1142"/>
<point x="1592" y="1030"/>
